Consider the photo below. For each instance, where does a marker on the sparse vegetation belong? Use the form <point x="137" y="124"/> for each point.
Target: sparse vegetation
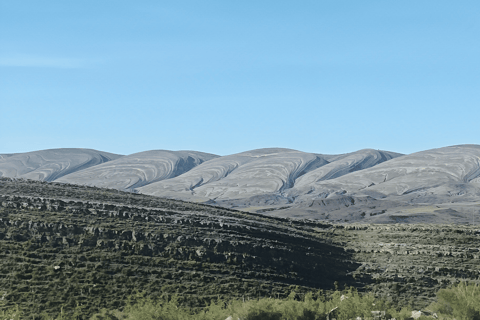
<point x="77" y="255"/>
<point x="64" y="255"/>
<point x="340" y="305"/>
<point x="460" y="302"/>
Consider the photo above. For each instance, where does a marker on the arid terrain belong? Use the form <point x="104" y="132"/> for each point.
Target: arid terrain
<point x="68" y="247"/>
<point x="368" y="186"/>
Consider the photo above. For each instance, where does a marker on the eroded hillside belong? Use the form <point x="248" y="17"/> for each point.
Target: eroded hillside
<point x="84" y="248"/>
<point x="370" y="186"/>
<point x="64" y="245"/>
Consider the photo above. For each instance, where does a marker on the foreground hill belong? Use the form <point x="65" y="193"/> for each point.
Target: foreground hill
<point x="138" y="169"/>
<point x="80" y="249"/>
<point x="63" y="245"/>
<point x="49" y="165"/>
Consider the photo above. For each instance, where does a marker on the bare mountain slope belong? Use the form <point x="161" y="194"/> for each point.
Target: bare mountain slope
<point x="441" y="185"/>
<point x="239" y="175"/>
<point x="5" y="156"/>
<point x="412" y="173"/>
<point x="139" y="169"/>
<point x="51" y="164"/>
<point x="262" y="176"/>
<point x="400" y="189"/>
<point x="339" y="166"/>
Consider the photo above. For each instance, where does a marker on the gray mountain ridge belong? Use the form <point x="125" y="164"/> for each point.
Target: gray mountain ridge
<point x="247" y="173"/>
<point x="138" y="169"/>
<point x="437" y="185"/>
<point x="51" y="164"/>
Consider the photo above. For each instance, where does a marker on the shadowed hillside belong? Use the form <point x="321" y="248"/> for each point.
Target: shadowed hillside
<point x="80" y="249"/>
<point x="63" y="245"/>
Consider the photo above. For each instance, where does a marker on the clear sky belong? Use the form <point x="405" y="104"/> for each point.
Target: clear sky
<point x="229" y="76"/>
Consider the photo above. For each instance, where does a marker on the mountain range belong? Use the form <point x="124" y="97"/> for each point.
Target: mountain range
<point x="438" y="185"/>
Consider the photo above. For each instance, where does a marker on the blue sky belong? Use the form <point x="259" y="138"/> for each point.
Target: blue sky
<point x="230" y="76"/>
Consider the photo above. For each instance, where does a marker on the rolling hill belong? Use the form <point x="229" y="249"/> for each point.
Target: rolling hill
<point x="138" y="169"/>
<point x="438" y="185"/>
<point x="51" y="164"/>
<point x="74" y="250"/>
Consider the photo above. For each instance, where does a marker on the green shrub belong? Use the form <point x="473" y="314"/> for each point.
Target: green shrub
<point x="13" y="313"/>
<point x="349" y="302"/>
<point x="461" y="301"/>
